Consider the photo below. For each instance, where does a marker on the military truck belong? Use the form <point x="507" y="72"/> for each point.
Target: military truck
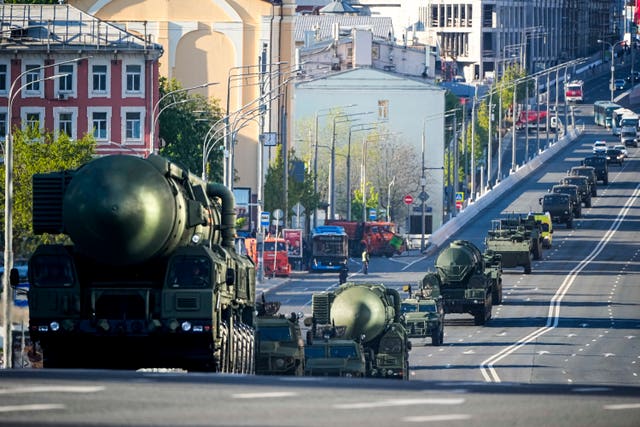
<point x="559" y="207"/>
<point x="152" y="278"/>
<point x="590" y="173"/>
<point x="370" y="314"/>
<point x="514" y="247"/>
<point x="469" y="281"/>
<point x="423" y="314"/>
<point x="600" y="166"/>
<point x="280" y="347"/>
<point x="518" y="223"/>
<point x="574" y="194"/>
<point x="334" y="357"/>
<point x="584" y="188"/>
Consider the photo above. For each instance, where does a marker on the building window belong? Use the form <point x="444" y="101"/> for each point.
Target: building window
<point x="134" y="78"/>
<point x="4" y="78"/>
<point x="99" y="78"/>
<point x="65" y="124"/>
<point x="3" y="124"/>
<point x="99" y="123"/>
<point x="65" y="84"/>
<point x="383" y="109"/>
<point x="32" y="121"/>
<point x="32" y="78"/>
<point x="132" y="126"/>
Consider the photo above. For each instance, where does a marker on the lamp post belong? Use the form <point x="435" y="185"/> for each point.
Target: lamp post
<point x="332" y="168"/>
<point x="8" y="204"/>
<point x="351" y="130"/>
<point x="315" y="152"/>
<point x="613" y="63"/>
<point x="155" y="114"/>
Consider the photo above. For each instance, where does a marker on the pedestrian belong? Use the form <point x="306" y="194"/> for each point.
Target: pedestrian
<point x="365" y="261"/>
<point x="344" y="272"/>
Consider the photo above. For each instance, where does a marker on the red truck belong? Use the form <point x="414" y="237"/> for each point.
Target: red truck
<point x="573" y="91"/>
<point x="532" y="120"/>
<point x="275" y="258"/>
<point x="379" y="237"/>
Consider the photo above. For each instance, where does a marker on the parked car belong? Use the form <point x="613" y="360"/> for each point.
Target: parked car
<point x="619" y="84"/>
<point x="599" y="147"/>
<point x="615" y="156"/>
<point x="622" y="147"/>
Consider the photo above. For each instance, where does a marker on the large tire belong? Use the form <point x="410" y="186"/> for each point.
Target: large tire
<point x="496" y="294"/>
<point x="587" y="203"/>
<point x="436" y="337"/>
<point x="537" y="251"/>
<point x="606" y="180"/>
<point x="570" y="223"/>
<point x="527" y="268"/>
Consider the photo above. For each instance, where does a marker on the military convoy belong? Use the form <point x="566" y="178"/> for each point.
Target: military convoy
<point x="369" y="314"/>
<point x="590" y="173"/>
<point x="574" y="194"/>
<point x="513" y="246"/>
<point x="469" y="281"/>
<point x="584" y="188"/>
<point x="152" y="277"/>
<point x="600" y="166"/>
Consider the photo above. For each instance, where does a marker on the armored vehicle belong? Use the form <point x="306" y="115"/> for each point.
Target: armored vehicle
<point x="469" y="281"/>
<point x="600" y="166"/>
<point x="335" y="357"/>
<point x="574" y="194"/>
<point x="280" y="347"/>
<point x="524" y="223"/>
<point x="151" y="279"/>
<point x="590" y="173"/>
<point x="514" y="247"/>
<point x="423" y="314"/>
<point x="370" y="314"/>
<point x="559" y="207"/>
<point x="584" y="188"/>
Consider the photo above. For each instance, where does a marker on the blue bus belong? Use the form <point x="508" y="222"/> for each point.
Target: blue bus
<point x="329" y="248"/>
<point x="603" y="112"/>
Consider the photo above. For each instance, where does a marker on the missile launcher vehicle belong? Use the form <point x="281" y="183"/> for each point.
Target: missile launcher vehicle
<point x="151" y="277"/>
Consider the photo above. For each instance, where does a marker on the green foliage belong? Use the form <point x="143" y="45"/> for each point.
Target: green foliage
<point x="373" y="201"/>
<point x="35" y="153"/>
<point x="298" y="192"/>
<point x="184" y="123"/>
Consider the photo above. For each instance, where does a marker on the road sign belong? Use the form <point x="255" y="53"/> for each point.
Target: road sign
<point x="459" y="196"/>
<point x="423" y="196"/>
<point x="277" y="213"/>
<point x="408" y="199"/>
<point x="264" y="219"/>
<point x="372" y="215"/>
<point x="458" y="205"/>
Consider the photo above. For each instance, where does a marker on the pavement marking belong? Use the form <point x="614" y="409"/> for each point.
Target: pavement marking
<point x="622" y="406"/>
<point x="436" y="418"/>
<point x="487" y="367"/>
<point x="53" y="389"/>
<point x="266" y="395"/>
<point x="400" y="402"/>
<point x="34" y="407"/>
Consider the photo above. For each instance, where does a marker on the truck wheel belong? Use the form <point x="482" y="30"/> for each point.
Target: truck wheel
<point x="570" y="223"/>
<point x="579" y="212"/>
<point x="594" y="191"/>
<point x="496" y="294"/>
<point x="587" y="203"/>
<point x="527" y="268"/>
<point x="606" y="180"/>
<point x="478" y="317"/>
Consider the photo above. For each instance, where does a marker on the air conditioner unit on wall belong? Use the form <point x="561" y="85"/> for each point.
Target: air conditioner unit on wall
<point x="62" y="96"/>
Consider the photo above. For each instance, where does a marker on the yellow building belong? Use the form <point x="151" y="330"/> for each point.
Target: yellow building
<point x="224" y="42"/>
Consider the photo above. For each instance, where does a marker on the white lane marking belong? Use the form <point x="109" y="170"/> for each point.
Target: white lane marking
<point x="52" y="389"/>
<point x="35" y="407"/>
<point x="264" y="395"/>
<point x="622" y="406"/>
<point x="487" y="367"/>
<point x="436" y="418"/>
<point x="400" y="402"/>
<point x="422" y="258"/>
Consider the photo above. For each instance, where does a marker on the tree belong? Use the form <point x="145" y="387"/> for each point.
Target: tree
<point x="298" y="192"/>
<point x="36" y="153"/>
<point x="184" y="124"/>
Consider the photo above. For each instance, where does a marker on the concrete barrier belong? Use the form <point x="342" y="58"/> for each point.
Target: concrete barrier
<point x="442" y="234"/>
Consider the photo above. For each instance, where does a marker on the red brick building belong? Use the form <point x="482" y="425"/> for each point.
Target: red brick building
<point x="70" y="72"/>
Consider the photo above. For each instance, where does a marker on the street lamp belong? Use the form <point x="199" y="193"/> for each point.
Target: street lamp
<point x="315" y="153"/>
<point x="613" y="63"/>
<point x="351" y="130"/>
<point x="155" y="114"/>
<point x="8" y="203"/>
<point x="332" y="169"/>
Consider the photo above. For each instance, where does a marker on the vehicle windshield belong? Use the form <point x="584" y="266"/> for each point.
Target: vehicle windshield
<point x="275" y="333"/>
<point x="314" y="352"/>
<point x="342" y="351"/>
